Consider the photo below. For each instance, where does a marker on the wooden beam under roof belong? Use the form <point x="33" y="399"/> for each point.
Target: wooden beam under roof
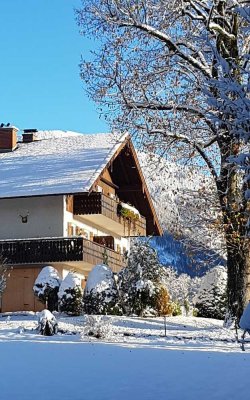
<point x="109" y="183"/>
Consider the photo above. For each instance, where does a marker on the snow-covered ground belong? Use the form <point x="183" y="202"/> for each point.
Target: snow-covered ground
<point x="198" y="358"/>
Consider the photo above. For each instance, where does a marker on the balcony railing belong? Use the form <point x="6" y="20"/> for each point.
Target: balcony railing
<point x="53" y="250"/>
<point x="97" y="203"/>
<point x="28" y="251"/>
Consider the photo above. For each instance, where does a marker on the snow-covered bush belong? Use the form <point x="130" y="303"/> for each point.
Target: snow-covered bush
<point x="47" y="323"/>
<point x="140" y="281"/>
<point x="46" y="287"/>
<point x="210" y="300"/>
<point x="70" y="295"/>
<point x="101" y="294"/>
<point x="98" y="326"/>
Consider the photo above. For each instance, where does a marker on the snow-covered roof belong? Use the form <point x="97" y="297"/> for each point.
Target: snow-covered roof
<point x="57" y="162"/>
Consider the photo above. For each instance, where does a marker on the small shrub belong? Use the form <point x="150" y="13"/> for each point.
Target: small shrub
<point x="46" y="287"/>
<point x="70" y="295"/>
<point x="47" y="323"/>
<point x="195" y="312"/>
<point x="163" y="304"/>
<point x="97" y="326"/>
<point x="176" y="309"/>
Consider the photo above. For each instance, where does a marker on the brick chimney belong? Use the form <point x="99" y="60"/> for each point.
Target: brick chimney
<point x="8" y="138"/>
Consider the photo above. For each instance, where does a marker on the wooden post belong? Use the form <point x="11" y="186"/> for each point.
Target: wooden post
<point x="165" y="325"/>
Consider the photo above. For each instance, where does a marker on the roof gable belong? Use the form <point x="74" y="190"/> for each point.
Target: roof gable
<point x="131" y="187"/>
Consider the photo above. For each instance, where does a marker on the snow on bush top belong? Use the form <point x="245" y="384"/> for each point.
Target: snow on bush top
<point x="71" y="281"/>
<point x="46" y="315"/>
<point x="47" y="277"/>
<point x="100" y="278"/>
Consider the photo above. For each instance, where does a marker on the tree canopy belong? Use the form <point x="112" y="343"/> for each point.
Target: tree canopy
<point x="176" y="75"/>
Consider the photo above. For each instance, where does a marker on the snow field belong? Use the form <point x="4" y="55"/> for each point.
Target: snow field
<point x="197" y="359"/>
<point x="90" y="371"/>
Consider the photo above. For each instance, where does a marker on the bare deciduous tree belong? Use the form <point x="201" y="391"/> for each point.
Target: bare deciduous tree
<point x="4" y="271"/>
<point x="176" y="75"/>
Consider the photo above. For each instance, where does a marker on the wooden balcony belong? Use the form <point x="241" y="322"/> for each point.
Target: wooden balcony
<point x="93" y="254"/>
<point x="103" y="211"/>
<point x="57" y="250"/>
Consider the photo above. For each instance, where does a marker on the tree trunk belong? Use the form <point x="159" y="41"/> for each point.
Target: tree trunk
<point x="234" y="211"/>
<point x="238" y="264"/>
<point x="247" y="269"/>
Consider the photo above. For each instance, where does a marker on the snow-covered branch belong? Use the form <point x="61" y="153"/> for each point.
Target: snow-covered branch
<point x="181" y="67"/>
<point x="170" y="44"/>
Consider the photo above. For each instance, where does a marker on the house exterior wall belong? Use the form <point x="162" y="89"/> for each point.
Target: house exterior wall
<point x="44" y="217"/>
<point x="47" y="217"/>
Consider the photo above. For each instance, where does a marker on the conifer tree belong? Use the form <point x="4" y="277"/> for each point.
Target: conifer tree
<point x="46" y="287"/>
<point x="70" y="295"/>
<point x="101" y="294"/>
<point x="211" y="298"/>
<point x="140" y="280"/>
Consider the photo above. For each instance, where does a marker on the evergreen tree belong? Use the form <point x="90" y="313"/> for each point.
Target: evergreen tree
<point x="210" y="300"/>
<point x="140" y="280"/>
<point x="101" y="294"/>
<point x="70" y="295"/>
<point x="46" y="287"/>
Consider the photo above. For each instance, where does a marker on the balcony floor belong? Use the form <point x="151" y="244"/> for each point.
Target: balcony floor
<point x="119" y="228"/>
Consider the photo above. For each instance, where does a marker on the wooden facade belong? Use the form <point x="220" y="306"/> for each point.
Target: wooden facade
<point x="94" y="254"/>
<point x="19" y="295"/>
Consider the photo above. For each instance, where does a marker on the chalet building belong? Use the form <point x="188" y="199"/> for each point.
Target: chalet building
<point x="66" y="199"/>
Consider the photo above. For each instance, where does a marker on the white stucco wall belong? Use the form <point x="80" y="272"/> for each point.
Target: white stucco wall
<point x="44" y="217"/>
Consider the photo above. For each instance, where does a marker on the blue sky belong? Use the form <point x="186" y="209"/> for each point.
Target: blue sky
<point x="40" y="49"/>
